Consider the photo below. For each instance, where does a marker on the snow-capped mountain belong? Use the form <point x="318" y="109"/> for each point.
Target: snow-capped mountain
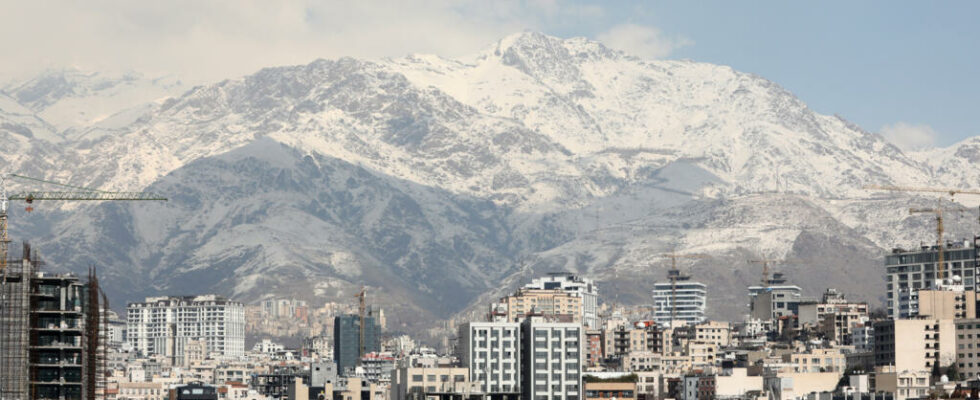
<point x="440" y="181"/>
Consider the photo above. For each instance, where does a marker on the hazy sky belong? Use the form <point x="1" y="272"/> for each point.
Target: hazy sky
<point x="907" y="70"/>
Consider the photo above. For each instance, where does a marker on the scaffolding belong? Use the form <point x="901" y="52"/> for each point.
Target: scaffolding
<point x="15" y="284"/>
<point x="92" y="359"/>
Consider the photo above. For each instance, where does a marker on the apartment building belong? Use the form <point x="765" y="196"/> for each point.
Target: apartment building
<point x="967" y="348"/>
<point x="716" y="333"/>
<point x="834" y="316"/>
<point x="952" y="302"/>
<point x="778" y="299"/>
<point x="491" y="351"/>
<point x="573" y="284"/>
<point x="406" y="381"/>
<point x="552" y="360"/>
<point x="690" y="297"/>
<point x="550" y="302"/>
<point x="908" y="271"/>
<point x="626" y="338"/>
<point x="914" y="344"/>
<point x="165" y="325"/>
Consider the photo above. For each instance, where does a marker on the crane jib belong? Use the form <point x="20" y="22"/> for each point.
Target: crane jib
<point x="85" y="195"/>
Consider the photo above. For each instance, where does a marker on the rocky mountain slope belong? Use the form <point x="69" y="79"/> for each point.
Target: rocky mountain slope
<point x="440" y="183"/>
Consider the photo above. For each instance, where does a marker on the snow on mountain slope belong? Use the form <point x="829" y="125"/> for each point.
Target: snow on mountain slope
<point x="745" y="129"/>
<point x="438" y="180"/>
<point x="73" y="100"/>
<point x="955" y="166"/>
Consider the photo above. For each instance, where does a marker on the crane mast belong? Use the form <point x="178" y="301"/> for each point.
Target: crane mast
<point x="361" y="311"/>
<point x="938" y="211"/>
<point x="72" y="193"/>
<point x="674" y="275"/>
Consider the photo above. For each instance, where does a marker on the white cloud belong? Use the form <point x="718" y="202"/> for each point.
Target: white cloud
<point x="206" y="40"/>
<point x="910" y="137"/>
<point x="642" y="41"/>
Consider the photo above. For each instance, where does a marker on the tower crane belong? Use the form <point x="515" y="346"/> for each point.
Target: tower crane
<point x="674" y="275"/>
<point x="361" y="310"/>
<point x="937" y="211"/>
<point x="71" y="193"/>
<point x="766" y="263"/>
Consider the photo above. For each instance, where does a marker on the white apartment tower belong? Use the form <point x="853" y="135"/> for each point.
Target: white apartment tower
<point x="552" y="360"/>
<point x="491" y="351"/>
<point x="573" y="284"/>
<point x="165" y="325"/>
<point x="690" y="296"/>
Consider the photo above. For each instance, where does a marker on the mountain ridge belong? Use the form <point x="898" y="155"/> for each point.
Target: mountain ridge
<point x="446" y="181"/>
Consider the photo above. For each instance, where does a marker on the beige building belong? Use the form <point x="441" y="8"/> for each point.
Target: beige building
<point x="143" y="391"/>
<point x="947" y="304"/>
<point x="702" y="355"/>
<point x="736" y="384"/>
<point x="405" y="380"/>
<point x="793" y="385"/>
<point x="716" y="333"/>
<point x="833" y="316"/>
<point x="641" y="361"/>
<point x="902" y="384"/>
<point x="817" y="360"/>
<point x="542" y="302"/>
<point x="967" y="348"/>
<point x="610" y="390"/>
<point x="914" y="344"/>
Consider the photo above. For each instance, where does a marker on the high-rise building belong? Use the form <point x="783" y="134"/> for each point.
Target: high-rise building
<point x="164" y="325"/>
<point x="48" y="344"/>
<point x="347" y="340"/>
<point x="580" y="286"/>
<point x="57" y="337"/>
<point x="775" y="300"/>
<point x="691" y="299"/>
<point x="491" y="352"/>
<point x="551" y="360"/>
<point x="907" y="271"/>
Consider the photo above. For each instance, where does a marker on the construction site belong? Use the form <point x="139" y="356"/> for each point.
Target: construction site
<point x="52" y="326"/>
<point x="50" y="336"/>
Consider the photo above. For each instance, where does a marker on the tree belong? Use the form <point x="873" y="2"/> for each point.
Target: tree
<point x="952" y="372"/>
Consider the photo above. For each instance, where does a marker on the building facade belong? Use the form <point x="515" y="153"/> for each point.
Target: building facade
<point x="907" y="271"/>
<point x="967" y="348"/>
<point x="573" y="284"/>
<point x="347" y="340"/>
<point x="775" y="301"/>
<point x="551" y="302"/>
<point x="491" y="351"/>
<point x="551" y="361"/>
<point x="165" y="325"/>
<point x="57" y="337"/>
<point x="914" y="344"/>
<point x="691" y="302"/>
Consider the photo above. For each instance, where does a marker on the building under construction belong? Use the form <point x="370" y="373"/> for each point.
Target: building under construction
<point x="49" y="349"/>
